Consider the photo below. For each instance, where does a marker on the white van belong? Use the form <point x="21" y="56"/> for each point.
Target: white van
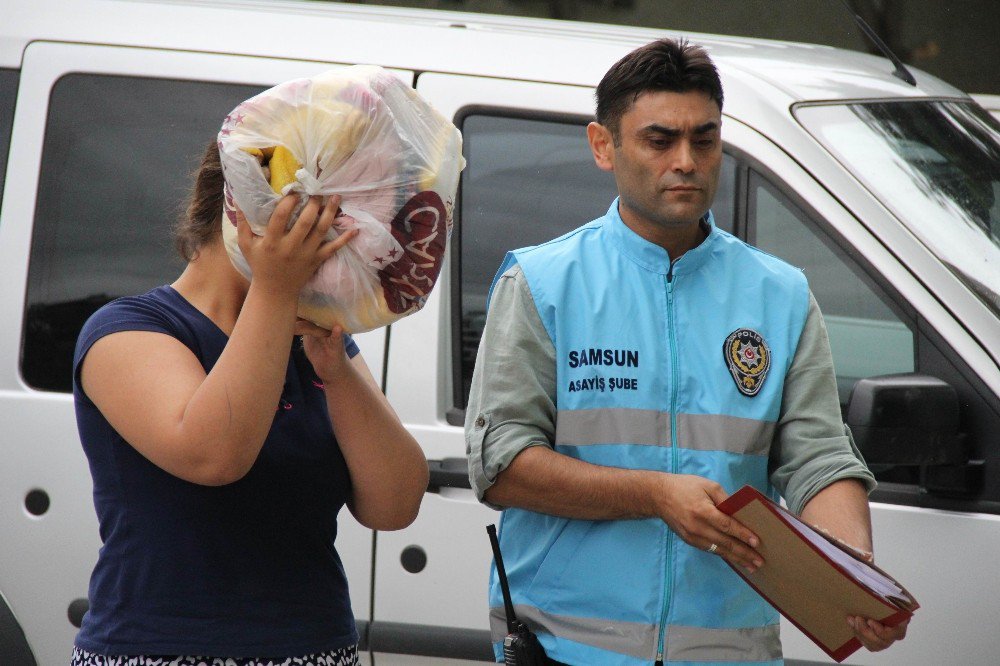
<point x="886" y="193"/>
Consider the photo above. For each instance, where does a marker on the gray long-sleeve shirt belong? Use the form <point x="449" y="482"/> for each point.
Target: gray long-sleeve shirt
<point x="514" y="384"/>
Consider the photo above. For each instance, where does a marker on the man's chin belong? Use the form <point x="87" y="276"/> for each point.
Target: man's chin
<point x="684" y="217"/>
<point x="682" y="213"/>
<point x="670" y="217"/>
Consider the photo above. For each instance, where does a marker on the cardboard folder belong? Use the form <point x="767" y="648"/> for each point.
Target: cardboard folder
<point x="813" y="580"/>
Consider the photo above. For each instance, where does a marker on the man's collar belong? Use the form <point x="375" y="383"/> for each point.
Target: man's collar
<point x="654" y="257"/>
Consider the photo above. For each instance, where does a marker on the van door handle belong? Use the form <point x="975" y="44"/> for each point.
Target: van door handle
<point x="448" y="473"/>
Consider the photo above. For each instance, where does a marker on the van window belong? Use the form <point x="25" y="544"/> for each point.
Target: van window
<point x="936" y="166"/>
<point x="8" y="93"/>
<point x="528" y="180"/>
<point x="867" y="337"/>
<point x="116" y="164"/>
<point x="870" y="335"/>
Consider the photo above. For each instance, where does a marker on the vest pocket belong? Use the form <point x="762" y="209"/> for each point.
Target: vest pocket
<point x="555" y="562"/>
<point x="601" y="569"/>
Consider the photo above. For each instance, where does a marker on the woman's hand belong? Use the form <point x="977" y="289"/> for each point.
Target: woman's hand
<point x="324" y="349"/>
<point x="387" y="466"/>
<point x="281" y="260"/>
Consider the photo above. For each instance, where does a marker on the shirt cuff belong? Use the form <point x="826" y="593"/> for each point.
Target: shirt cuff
<point x="491" y="449"/>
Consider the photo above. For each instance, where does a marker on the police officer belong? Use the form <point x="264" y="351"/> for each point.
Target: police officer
<point x="631" y="375"/>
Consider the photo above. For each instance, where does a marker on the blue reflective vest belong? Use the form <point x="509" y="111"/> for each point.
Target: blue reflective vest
<point x="677" y="367"/>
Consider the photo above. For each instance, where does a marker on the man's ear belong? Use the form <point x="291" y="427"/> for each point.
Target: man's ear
<point x="602" y="145"/>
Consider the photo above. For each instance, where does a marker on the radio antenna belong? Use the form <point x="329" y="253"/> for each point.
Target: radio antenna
<point x="512" y="623"/>
<point x="901" y="72"/>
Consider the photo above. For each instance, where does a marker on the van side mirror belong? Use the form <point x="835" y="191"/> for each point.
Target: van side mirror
<point x="911" y="419"/>
<point x="905" y="419"/>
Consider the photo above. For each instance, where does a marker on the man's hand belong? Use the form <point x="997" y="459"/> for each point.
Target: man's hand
<point x="688" y="505"/>
<point x="875" y="636"/>
<point x="540" y="479"/>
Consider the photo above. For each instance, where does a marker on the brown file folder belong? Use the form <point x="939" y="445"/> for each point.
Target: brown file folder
<point x="811" y="579"/>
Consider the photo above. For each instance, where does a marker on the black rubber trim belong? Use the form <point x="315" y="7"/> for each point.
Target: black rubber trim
<point x="449" y="642"/>
<point x="448" y="473"/>
<point x="455" y="416"/>
<point x="9" y="80"/>
<point x="909" y="495"/>
<point x="459" y="397"/>
<point x="430" y="641"/>
<point x="14" y="650"/>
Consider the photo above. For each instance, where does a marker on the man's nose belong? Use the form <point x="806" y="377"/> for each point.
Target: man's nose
<point x="683" y="158"/>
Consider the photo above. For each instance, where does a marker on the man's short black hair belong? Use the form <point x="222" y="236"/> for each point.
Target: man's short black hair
<point x="663" y="65"/>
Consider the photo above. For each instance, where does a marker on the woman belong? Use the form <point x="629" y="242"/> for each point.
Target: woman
<point x="222" y="452"/>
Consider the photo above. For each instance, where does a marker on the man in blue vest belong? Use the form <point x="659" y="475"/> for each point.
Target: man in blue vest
<point x="634" y="372"/>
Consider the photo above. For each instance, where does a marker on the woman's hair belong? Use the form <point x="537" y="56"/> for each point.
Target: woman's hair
<point x="663" y="65"/>
<point x="202" y="219"/>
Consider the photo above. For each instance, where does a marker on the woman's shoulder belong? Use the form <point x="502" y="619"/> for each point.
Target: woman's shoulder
<point x="153" y="307"/>
<point x="155" y="311"/>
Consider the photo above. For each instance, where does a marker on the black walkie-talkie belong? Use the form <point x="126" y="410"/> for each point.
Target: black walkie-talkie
<point x="520" y="646"/>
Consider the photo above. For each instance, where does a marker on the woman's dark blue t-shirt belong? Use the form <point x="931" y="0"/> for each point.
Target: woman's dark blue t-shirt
<point x="245" y="569"/>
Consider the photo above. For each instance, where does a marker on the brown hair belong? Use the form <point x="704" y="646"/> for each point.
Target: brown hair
<point x="202" y="219"/>
<point x="663" y="65"/>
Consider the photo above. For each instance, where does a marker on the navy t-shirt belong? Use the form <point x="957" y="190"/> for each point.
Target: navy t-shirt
<point x="245" y="569"/>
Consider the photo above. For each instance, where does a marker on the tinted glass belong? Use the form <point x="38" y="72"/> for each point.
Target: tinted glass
<point x="116" y="168"/>
<point x="936" y="165"/>
<point x="527" y="182"/>
<point x="8" y="93"/>
<point x="724" y="206"/>
<point x="866" y="336"/>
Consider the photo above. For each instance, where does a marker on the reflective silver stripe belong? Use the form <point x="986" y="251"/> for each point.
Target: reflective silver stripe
<point x="735" y="645"/>
<point x="699" y="432"/>
<point x="631" y="638"/>
<point x="582" y="427"/>
<point x="715" y="432"/>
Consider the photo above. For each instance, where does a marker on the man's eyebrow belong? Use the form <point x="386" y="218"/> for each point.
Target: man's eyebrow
<point x="654" y="128"/>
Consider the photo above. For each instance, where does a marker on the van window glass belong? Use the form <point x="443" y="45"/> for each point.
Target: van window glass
<point x="8" y="93"/>
<point x="528" y="180"/>
<point x="936" y="166"/>
<point x="724" y="206"/>
<point x="866" y="335"/>
<point x="116" y="168"/>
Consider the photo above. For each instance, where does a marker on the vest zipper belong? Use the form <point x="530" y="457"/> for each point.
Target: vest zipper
<point x="672" y="344"/>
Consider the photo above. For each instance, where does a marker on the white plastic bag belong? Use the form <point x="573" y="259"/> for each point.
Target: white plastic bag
<point x="361" y="133"/>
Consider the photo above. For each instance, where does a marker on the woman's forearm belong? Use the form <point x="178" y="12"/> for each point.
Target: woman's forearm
<point x="206" y="429"/>
<point x="231" y="413"/>
<point x="388" y="469"/>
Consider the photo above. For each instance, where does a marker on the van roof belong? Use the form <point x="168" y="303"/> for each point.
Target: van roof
<point x="548" y="50"/>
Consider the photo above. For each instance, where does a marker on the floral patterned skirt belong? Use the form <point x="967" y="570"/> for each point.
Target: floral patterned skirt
<point x="347" y="656"/>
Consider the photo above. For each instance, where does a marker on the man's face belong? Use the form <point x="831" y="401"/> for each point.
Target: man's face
<point x="667" y="163"/>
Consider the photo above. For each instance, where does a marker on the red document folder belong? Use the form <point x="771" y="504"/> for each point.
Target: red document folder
<point x="812" y="580"/>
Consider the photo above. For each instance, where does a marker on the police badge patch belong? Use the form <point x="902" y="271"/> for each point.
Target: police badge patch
<point x="748" y="358"/>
